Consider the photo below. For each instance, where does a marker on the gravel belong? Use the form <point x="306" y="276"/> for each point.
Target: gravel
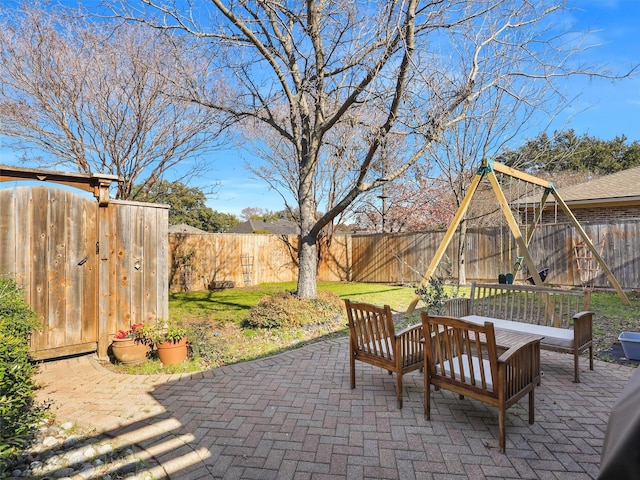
<point x="61" y="452"/>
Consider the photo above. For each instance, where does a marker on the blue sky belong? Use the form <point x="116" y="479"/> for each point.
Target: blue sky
<point x="608" y="108"/>
<point x="604" y="108"/>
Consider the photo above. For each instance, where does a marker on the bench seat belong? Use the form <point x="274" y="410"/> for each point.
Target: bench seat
<point x="553" y="336"/>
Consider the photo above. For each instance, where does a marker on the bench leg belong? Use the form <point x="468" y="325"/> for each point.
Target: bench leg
<point x="352" y="369"/>
<point x="427" y="397"/>
<point x="532" y="406"/>
<point x="576" y="362"/>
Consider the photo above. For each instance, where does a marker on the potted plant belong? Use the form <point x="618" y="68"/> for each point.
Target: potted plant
<point x="169" y="339"/>
<point x="129" y="346"/>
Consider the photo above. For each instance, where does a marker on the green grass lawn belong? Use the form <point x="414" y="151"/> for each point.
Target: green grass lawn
<point x="216" y="318"/>
<point x="234" y="303"/>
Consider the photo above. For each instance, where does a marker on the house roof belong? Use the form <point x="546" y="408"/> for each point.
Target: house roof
<point x="619" y="186"/>
<point x="277" y="227"/>
<point x="184" y="228"/>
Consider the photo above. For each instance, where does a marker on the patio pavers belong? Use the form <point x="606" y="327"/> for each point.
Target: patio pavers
<point x="293" y="415"/>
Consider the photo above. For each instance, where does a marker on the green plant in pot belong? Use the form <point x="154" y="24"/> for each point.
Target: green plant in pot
<point x="130" y="347"/>
<point x="169" y="338"/>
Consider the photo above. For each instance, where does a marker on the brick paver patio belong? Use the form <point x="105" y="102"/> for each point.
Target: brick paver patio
<point x="293" y="415"/>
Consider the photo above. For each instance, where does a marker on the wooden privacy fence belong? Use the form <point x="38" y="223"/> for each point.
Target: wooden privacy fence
<point x="218" y="260"/>
<point x="402" y="258"/>
<point x="88" y="267"/>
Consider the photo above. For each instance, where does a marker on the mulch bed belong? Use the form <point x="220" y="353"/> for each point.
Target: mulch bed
<point x="615" y="354"/>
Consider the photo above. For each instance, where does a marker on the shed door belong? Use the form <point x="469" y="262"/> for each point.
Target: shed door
<point x="48" y="241"/>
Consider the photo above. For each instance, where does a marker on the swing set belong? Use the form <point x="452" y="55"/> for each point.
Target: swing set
<point x="488" y="169"/>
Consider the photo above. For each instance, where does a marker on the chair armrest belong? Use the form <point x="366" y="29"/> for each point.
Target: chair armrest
<point x="409" y="330"/>
<point x="411" y="334"/>
<point x="517" y="350"/>
<point x="519" y="367"/>
<point x="409" y="345"/>
<point x="583" y="327"/>
<point x="457" y="307"/>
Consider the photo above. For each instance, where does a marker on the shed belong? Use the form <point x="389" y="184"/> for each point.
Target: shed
<point x="88" y="266"/>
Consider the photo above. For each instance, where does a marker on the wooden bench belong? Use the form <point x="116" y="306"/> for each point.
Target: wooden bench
<point x="221" y="284"/>
<point x="562" y="316"/>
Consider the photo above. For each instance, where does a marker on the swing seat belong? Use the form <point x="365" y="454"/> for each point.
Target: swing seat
<point x="505" y="278"/>
<point x="543" y="276"/>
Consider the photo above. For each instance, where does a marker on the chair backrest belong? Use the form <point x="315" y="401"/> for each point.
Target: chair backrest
<point x="461" y="355"/>
<point x="371" y="329"/>
<point x="552" y="307"/>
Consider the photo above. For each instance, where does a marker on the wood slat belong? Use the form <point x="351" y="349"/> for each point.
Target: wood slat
<point x="39" y="254"/>
<point x="48" y="240"/>
<point x="136" y="264"/>
<point x="89" y="270"/>
<point x="403" y="258"/>
<point x="8" y="230"/>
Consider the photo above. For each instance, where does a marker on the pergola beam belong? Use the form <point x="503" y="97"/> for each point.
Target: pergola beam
<point x="97" y="184"/>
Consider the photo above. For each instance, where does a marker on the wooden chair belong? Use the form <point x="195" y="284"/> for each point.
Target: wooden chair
<point x="462" y="357"/>
<point x="372" y="340"/>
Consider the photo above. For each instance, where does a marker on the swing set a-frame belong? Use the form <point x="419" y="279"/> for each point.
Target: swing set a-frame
<point x="488" y="169"/>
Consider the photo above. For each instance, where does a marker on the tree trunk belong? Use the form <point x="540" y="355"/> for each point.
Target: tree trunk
<point x="307" y="266"/>
<point x="308" y="249"/>
<point x="462" y="242"/>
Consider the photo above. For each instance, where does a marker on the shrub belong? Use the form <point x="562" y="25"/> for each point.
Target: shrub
<point x="434" y="294"/>
<point x="20" y="415"/>
<point x="206" y="345"/>
<point x="286" y="310"/>
<point x="156" y="331"/>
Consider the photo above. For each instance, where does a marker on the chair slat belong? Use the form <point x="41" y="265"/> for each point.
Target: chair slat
<point x="462" y="357"/>
<point x="372" y="340"/>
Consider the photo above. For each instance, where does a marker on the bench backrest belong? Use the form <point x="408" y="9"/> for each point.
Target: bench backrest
<point x="552" y="307"/>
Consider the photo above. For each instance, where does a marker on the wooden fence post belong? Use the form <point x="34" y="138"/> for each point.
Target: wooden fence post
<point x="104" y="284"/>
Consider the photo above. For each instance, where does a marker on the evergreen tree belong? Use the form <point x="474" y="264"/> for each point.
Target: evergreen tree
<point x="188" y="205"/>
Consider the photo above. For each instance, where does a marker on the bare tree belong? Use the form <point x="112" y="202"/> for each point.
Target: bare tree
<point x="332" y="79"/>
<point x="411" y="203"/>
<point x="101" y="97"/>
<point x="488" y="125"/>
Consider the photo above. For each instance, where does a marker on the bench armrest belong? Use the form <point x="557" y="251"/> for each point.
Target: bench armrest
<point x="583" y="327"/>
<point x="457" y="307"/>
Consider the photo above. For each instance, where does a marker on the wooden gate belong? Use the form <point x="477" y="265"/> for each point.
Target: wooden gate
<point x="88" y="267"/>
<point x="48" y="239"/>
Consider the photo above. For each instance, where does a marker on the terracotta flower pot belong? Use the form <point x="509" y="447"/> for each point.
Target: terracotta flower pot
<point x="171" y="353"/>
<point x="129" y="351"/>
